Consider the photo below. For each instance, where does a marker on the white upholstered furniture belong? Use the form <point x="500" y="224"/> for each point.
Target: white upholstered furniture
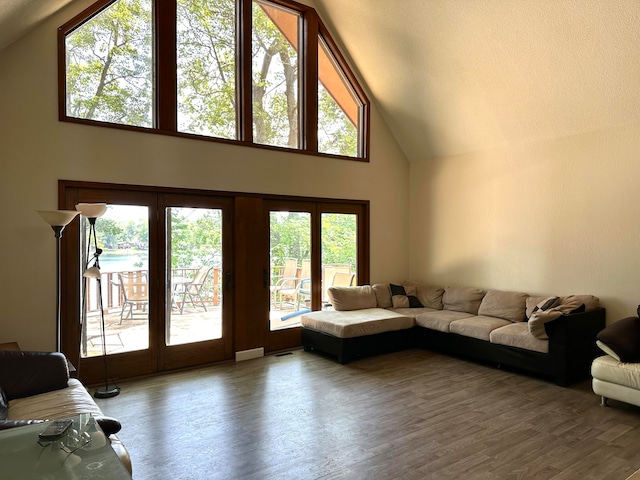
<point x="615" y="379"/>
<point x="616" y="375"/>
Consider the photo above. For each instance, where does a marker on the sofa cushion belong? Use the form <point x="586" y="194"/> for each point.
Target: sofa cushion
<point x="429" y="296"/>
<point x="414" y="312"/>
<point x="623" y="337"/>
<point x="383" y="295"/>
<point x="506" y="305"/>
<point x="402" y="297"/>
<point x="62" y="403"/>
<point x="352" y="298"/>
<point x="533" y="303"/>
<point x="517" y="335"/>
<point x="440" y="319"/>
<point x="462" y="299"/>
<point x="356" y="323"/>
<point x="479" y="326"/>
<point x="546" y="304"/>
<point x="590" y="302"/>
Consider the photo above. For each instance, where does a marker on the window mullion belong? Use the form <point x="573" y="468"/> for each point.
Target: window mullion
<point x="245" y="125"/>
<point x="165" y="57"/>
<point x="310" y="85"/>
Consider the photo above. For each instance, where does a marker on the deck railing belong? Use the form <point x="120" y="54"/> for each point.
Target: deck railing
<point x="112" y="297"/>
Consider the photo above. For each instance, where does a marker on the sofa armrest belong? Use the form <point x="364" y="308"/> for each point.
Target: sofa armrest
<point x="23" y="374"/>
<point x="576" y="330"/>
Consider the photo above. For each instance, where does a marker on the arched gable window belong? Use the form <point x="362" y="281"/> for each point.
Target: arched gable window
<point x="254" y="72"/>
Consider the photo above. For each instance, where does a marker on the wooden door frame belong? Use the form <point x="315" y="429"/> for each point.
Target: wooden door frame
<point x="244" y="282"/>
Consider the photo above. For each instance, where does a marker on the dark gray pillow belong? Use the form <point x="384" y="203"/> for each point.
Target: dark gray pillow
<point x="623" y="337"/>
<point x="4" y="405"/>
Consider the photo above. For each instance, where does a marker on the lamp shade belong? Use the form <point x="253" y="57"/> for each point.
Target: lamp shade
<point x="93" y="272"/>
<point x="92" y="210"/>
<point x="58" y="218"/>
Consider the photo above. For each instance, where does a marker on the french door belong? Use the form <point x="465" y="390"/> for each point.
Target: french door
<point x="189" y="277"/>
<point x="164" y="289"/>
<point x="312" y="247"/>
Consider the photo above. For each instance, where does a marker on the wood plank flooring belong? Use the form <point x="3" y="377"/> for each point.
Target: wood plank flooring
<point x="410" y="415"/>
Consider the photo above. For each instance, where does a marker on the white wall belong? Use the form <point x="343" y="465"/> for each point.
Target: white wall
<point x="36" y="150"/>
<point x="556" y="217"/>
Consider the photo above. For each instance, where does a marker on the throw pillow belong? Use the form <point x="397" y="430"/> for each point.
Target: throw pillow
<point x="506" y="305"/>
<point x="4" y="405"/>
<point x="402" y="297"/>
<point x="623" y="337"/>
<point x="546" y="304"/>
<point x="352" y="298"/>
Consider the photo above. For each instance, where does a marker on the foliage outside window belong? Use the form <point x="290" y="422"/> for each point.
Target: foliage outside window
<point x="239" y="71"/>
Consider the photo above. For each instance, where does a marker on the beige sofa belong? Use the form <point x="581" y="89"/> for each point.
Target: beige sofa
<point x="551" y="336"/>
<point x="35" y="386"/>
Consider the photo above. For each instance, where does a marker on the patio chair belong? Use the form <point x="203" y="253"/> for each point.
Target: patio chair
<point x="135" y="291"/>
<point x="303" y="275"/>
<point x="194" y="288"/>
<point x="287" y="282"/>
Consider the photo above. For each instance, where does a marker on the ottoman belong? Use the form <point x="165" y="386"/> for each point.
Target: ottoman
<point x="357" y="333"/>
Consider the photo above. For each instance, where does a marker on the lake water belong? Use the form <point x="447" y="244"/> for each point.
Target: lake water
<point x="122" y="261"/>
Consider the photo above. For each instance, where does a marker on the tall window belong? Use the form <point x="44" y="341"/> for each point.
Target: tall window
<point x="338" y="107"/>
<point x="232" y="70"/>
<point x="109" y="66"/>
<point x="275" y="77"/>
<point x="206" y="59"/>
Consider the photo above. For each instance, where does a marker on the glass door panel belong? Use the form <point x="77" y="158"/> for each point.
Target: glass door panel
<point x="122" y="234"/>
<point x="290" y="268"/>
<point x="194" y="275"/>
<point x="339" y="232"/>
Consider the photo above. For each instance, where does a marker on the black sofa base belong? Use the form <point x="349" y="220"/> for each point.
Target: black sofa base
<point x="348" y="349"/>
<point x="572" y="346"/>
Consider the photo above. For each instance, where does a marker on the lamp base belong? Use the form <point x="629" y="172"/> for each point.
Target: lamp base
<point x="106" y="392"/>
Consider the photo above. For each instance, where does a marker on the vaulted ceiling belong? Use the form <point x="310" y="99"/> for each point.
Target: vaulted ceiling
<point x="456" y="76"/>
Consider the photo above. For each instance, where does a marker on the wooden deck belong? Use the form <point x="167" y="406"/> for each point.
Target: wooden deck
<point x="132" y="334"/>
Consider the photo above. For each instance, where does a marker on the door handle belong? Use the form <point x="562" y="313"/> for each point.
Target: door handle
<point x="227" y="281"/>
<point x="265" y="277"/>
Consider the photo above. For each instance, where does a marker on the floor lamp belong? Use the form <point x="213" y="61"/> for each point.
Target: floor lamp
<point x="93" y="211"/>
<point x="58" y="219"/>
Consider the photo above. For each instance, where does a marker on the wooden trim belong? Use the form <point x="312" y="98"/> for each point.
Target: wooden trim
<point x="363" y="131"/>
<point x="310" y="82"/>
<point x="244" y="324"/>
<point x="243" y="70"/>
<point x="165" y="60"/>
<point x="165" y="91"/>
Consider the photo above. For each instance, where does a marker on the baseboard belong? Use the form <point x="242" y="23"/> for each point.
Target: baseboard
<point x="249" y="354"/>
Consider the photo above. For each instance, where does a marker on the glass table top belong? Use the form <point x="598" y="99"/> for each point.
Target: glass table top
<point x="82" y="452"/>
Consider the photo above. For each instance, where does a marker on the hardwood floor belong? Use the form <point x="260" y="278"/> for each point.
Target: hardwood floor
<point x="409" y="415"/>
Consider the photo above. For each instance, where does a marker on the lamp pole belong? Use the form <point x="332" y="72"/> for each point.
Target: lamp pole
<point x="58" y="219"/>
<point x="93" y="211"/>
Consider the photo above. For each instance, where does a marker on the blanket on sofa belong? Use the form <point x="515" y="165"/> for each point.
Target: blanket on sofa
<point x="541" y="316"/>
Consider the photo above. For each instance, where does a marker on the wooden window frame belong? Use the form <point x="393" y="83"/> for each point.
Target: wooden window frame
<point x="165" y="74"/>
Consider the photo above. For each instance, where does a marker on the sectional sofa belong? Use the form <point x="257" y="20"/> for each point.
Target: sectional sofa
<point x="546" y="335"/>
